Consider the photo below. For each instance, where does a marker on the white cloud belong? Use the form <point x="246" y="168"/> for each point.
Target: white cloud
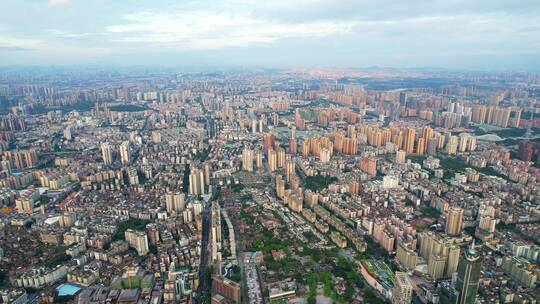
<point x="194" y="29"/>
<point x="346" y="32"/>
<point x="198" y="30"/>
<point x="59" y="2"/>
<point x="65" y="34"/>
<point x="17" y="43"/>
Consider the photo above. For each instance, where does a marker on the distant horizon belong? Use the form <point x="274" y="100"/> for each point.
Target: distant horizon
<point x="247" y="68"/>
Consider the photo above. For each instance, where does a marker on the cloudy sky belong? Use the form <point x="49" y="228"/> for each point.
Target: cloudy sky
<point x="469" y="34"/>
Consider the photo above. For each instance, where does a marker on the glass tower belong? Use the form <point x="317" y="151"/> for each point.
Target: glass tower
<point x="468" y="276"/>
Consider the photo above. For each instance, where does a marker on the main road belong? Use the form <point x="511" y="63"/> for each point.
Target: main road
<point x="203" y="269"/>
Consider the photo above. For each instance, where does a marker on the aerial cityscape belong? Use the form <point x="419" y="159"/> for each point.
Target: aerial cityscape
<point x="323" y="180"/>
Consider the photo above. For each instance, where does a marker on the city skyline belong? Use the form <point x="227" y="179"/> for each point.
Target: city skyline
<point x="252" y="152"/>
<point x="258" y="186"/>
<point x="483" y="35"/>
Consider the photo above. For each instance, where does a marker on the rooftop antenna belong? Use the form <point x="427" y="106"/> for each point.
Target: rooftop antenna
<point x="472" y="251"/>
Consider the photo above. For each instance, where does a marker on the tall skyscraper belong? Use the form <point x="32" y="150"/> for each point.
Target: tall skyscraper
<point x="409" y="140"/>
<point x="106" y="153"/>
<point x="138" y="240"/>
<point x="268" y="141"/>
<point x="207" y="173"/>
<point x="406" y="256"/>
<point x="254" y="125"/>
<point x="280" y="157"/>
<point x="442" y="255"/>
<point x="454" y="221"/>
<point x="468" y="276"/>
<point x="30" y="158"/>
<point x="290" y="169"/>
<point x="368" y="164"/>
<point x="272" y="160"/>
<point x="196" y="182"/>
<point x="436" y="266"/>
<point x="432" y="146"/>
<point x="280" y="186"/>
<point x="174" y="202"/>
<point x="402" y="98"/>
<point x="275" y="119"/>
<point x="403" y="289"/>
<point x="67" y="133"/>
<point x="258" y="159"/>
<point x="463" y="143"/>
<point x="247" y="160"/>
<point x="306" y="148"/>
<point x="421" y="147"/>
<point x="526" y="150"/>
<point x="153" y="233"/>
<point x="293" y="146"/>
<point x="125" y="153"/>
<point x="453" y="260"/>
<point x="452" y="145"/>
